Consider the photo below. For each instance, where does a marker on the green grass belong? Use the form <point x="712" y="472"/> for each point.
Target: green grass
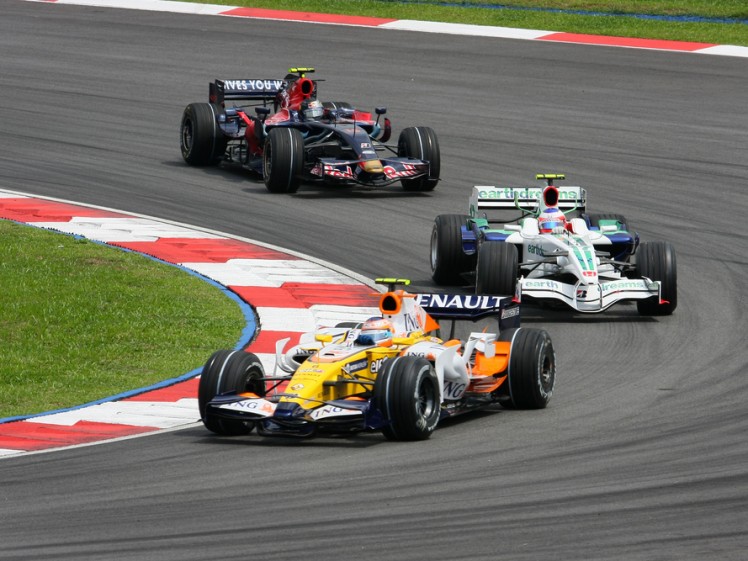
<point x="466" y="12"/>
<point x="80" y="321"/>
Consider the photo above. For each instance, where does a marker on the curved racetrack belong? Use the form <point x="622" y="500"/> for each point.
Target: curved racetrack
<point x="642" y="453"/>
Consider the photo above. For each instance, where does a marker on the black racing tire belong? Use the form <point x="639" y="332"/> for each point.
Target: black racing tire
<point x="448" y="260"/>
<point x="497" y="269"/>
<point x="532" y="368"/>
<point x="407" y="393"/>
<point x="228" y="371"/>
<point x="201" y="141"/>
<point x="593" y="219"/>
<point x="420" y="143"/>
<point x="656" y="261"/>
<point x="283" y="160"/>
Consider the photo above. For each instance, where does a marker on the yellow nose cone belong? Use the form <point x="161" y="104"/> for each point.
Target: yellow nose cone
<point x="373" y="166"/>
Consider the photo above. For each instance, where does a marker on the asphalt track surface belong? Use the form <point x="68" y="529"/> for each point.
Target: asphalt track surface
<point x="642" y="453"/>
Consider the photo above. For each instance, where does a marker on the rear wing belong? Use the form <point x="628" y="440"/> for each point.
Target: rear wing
<point x="398" y="305"/>
<point x="489" y="196"/>
<point x="245" y="89"/>
<point x="471" y="307"/>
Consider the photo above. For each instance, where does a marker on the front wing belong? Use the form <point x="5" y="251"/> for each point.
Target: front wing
<point x="590" y="298"/>
<point x="273" y="417"/>
<point x="350" y="171"/>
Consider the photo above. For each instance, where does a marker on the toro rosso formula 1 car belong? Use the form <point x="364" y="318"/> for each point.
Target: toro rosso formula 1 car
<point x="284" y="133"/>
<point x="391" y="373"/>
<point x="555" y="251"/>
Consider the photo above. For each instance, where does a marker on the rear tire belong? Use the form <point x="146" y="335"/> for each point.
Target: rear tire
<point x="420" y="143"/>
<point x="448" y="260"/>
<point x="228" y="371"/>
<point x="532" y="368"/>
<point x="656" y="261"/>
<point x="498" y="263"/>
<point x="201" y="141"/>
<point x="283" y="160"/>
<point x="407" y="393"/>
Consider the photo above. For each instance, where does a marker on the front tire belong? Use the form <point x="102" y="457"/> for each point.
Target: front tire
<point x="420" y="143"/>
<point x="448" y="260"/>
<point x="407" y="393"/>
<point x="656" y="261"/>
<point x="497" y="269"/>
<point x="283" y="160"/>
<point x="228" y="371"/>
<point x="201" y="141"/>
<point x="532" y="368"/>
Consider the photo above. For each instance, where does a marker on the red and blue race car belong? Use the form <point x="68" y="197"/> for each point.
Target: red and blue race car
<point x="284" y="133"/>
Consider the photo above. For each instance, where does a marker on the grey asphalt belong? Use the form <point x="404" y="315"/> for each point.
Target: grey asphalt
<point x="642" y="453"/>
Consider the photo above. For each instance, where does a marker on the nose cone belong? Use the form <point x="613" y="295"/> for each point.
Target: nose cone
<point x="372" y="166"/>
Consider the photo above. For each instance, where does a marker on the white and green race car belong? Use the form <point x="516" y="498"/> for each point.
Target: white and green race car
<point x="555" y="251"/>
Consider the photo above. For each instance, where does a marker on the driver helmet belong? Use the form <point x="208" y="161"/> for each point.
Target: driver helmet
<point x="551" y="220"/>
<point x="376" y="331"/>
<point x="312" y="109"/>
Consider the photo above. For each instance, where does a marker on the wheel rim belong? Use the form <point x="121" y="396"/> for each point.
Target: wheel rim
<point x="253" y="385"/>
<point x="426" y="402"/>
<point x="434" y="253"/>
<point x="547" y="374"/>
<point x="187" y="135"/>
<point x="267" y="161"/>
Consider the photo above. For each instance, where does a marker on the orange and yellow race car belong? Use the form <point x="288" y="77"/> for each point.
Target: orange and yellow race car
<point x="392" y="373"/>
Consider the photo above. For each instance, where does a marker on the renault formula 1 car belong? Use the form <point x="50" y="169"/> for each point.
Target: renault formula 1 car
<point x="555" y="251"/>
<point x="284" y="133"/>
<point x="391" y="373"/>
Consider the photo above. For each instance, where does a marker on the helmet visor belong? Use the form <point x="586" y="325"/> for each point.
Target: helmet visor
<point x="373" y="336"/>
<point x="550" y="225"/>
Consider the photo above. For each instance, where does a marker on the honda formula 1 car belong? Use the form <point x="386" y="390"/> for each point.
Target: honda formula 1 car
<point x="284" y="133"/>
<point x="391" y="373"/>
<point x="555" y="251"/>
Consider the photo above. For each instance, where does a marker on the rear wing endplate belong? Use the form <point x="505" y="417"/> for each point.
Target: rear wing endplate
<point x="260" y="90"/>
<point x="489" y="196"/>
<point x="471" y="307"/>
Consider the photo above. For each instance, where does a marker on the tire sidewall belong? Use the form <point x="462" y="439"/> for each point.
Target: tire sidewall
<point x="397" y="393"/>
<point x="426" y="422"/>
<point x="446" y="256"/>
<point x="531" y="352"/>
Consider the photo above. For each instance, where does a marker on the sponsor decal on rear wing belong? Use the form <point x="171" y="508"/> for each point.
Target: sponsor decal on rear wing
<point x="245" y="88"/>
<point x="471" y="307"/>
<point x="489" y="196"/>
